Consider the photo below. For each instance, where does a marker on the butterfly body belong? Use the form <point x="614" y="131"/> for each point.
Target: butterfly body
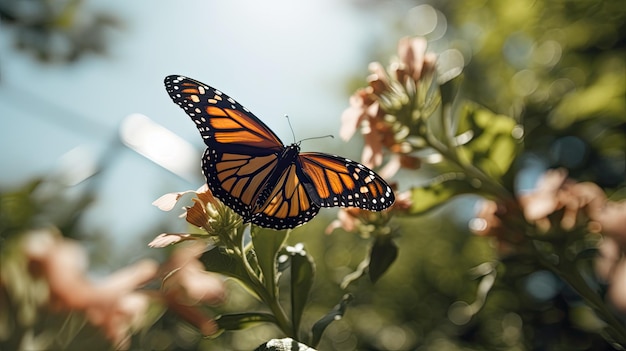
<point x="269" y="184"/>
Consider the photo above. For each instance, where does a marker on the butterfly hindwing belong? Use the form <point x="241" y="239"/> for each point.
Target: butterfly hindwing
<point x="338" y="181"/>
<point x="287" y="204"/>
<point x="237" y="179"/>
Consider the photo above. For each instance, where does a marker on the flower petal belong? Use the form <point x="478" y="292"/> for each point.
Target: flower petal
<point x="168" y="201"/>
<point x="167" y="239"/>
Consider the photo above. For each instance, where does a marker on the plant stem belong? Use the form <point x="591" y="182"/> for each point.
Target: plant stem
<point x="267" y="297"/>
<point x="448" y="151"/>
<point x="567" y="271"/>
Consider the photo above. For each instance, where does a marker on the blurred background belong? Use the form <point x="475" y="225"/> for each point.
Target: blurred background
<point x="90" y="138"/>
<point x="72" y="73"/>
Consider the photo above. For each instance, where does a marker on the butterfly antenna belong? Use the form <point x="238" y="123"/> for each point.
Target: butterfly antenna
<point x="318" y="137"/>
<point x="291" y="127"/>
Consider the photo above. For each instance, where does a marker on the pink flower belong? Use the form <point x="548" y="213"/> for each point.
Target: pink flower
<point x="113" y="304"/>
<point x="416" y="62"/>
<point x="186" y="285"/>
<point x="383" y="111"/>
<point x="362" y="221"/>
<point x="206" y="212"/>
<point x="561" y="204"/>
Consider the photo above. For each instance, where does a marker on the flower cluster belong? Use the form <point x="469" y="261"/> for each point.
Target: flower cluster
<point x="559" y="204"/>
<point x="206" y="212"/>
<point x="117" y="304"/>
<point x="113" y="304"/>
<point x="390" y="113"/>
<point x="391" y="109"/>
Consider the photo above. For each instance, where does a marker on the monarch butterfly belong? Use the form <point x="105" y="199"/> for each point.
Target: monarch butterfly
<point x="269" y="184"/>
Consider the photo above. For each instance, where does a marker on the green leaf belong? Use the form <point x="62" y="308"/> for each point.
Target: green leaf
<point x="337" y="313"/>
<point x="267" y="243"/>
<point x="439" y="190"/>
<point x="220" y="261"/>
<point x="604" y="97"/>
<point x="302" y="273"/>
<point x="493" y="143"/>
<point x="384" y="253"/>
<point x="238" y="321"/>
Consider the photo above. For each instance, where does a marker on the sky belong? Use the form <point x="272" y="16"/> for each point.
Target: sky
<point x="276" y="58"/>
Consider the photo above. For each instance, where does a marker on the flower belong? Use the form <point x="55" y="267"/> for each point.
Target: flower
<point x="554" y="193"/>
<point x="118" y="304"/>
<point x="415" y="61"/>
<point x="558" y="203"/>
<point x="491" y="220"/>
<point x="114" y="304"/>
<point x="385" y="110"/>
<point x="206" y="212"/>
<point x="186" y="285"/>
<point x="354" y="219"/>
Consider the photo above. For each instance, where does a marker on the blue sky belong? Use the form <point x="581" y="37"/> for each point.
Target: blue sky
<point x="276" y="58"/>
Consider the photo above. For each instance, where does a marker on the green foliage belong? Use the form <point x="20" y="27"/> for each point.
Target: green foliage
<point x="438" y="191"/>
<point x="57" y="31"/>
<point x="337" y="313"/>
<point x="237" y="321"/>
<point x="267" y="243"/>
<point x="492" y="146"/>
<point x="302" y="273"/>
<point x="219" y="260"/>
<point x="541" y="74"/>
<point x="383" y="253"/>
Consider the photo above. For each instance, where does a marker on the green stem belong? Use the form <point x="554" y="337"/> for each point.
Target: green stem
<point x="567" y="271"/>
<point x="266" y="296"/>
<point x="448" y="151"/>
<point x="256" y="285"/>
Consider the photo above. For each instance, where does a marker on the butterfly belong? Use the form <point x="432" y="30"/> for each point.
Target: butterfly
<point x="269" y="184"/>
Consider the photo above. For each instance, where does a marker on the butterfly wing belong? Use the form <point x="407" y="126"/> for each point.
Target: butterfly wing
<point x="242" y="151"/>
<point x="288" y="204"/>
<point x="221" y="120"/>
<point x="337" y="181"/>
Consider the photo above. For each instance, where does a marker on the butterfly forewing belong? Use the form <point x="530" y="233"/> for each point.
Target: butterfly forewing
<point x="219" y="118"/>
<point x="338" y="181"/>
